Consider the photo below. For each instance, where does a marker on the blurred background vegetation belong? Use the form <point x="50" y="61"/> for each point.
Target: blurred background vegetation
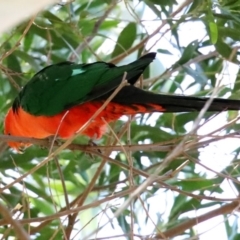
<point x="173" y="181"/>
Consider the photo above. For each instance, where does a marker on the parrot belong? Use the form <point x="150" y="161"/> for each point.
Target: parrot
<point x="62" y="97"/>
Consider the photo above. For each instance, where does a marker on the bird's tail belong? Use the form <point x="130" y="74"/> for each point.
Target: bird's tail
<point x="131" y="95"/>
<point x="173" y="103"/>
<point x="136" y="68"/>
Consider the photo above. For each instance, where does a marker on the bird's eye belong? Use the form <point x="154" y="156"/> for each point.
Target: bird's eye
<point x="9" y="134"/>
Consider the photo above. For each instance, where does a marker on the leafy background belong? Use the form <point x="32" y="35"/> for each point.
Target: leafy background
<point x="158" y="176"/>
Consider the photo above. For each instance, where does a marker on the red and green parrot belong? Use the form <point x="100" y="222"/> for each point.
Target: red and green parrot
<point x="62" y="97"/>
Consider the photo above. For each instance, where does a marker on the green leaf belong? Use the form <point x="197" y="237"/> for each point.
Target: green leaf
<point x="201" y="184"/>
<point x="114" y="173"/>
<point x="164" y="51"/>
<point x="29" y="59"/>
<point x="182" y="205"/>
<point x="229" y="32"/>
<point x="164" y="2"/>
<point x="213" y="28"/>
<point x="187" y="53"/>
<point x="213" y="32"/>
<point x="125" y="39"/>
<point x="225" y="50"/>
<point x="45" y="207"/>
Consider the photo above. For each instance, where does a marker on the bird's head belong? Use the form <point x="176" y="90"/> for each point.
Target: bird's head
<point x="11" y="129"/>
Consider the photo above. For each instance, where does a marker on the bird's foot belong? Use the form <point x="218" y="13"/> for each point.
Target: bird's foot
<point x="52" y="141"/>
<point x="93" y="144"/>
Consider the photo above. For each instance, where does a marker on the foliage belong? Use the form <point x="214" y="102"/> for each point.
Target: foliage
<point x="174" y="176"/>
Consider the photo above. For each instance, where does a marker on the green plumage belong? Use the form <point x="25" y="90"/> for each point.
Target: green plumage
<point x="61" y="86"/>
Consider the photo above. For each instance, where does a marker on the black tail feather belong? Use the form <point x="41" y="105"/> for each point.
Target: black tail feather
<point x="136" y="68"/>
<point x="173" y="103"/>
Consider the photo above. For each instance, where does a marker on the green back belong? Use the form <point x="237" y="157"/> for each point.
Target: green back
<point x="61" y="86"/>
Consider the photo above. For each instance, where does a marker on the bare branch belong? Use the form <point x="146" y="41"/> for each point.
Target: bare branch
<point x="20" y="232"/>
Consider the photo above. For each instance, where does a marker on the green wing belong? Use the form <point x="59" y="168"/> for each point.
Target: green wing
<point x="61" y="86"/>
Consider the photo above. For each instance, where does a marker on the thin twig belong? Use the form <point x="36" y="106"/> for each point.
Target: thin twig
<point x="180" y="228"/>
<point x="20" y="232"/>
<point x="97" y="25"/>
<point x="6" y="54"/>
<point x="63" y="183"/>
